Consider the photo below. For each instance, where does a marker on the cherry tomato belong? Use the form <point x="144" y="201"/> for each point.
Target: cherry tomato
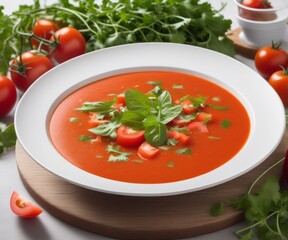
<point x="257" y="3"/>
<point x="279" y="81"/>
<point x="29" y="68"/>
<point x="129" y="137"/>
<point x="8" y="95"/>
<point x="257" y="16"/>
<point x="23" y="208"/>
<point x="44" y="29"/>
<point x="71" y="43"/>
<point x="147" y="151"/>
<point x="269" y="59"/>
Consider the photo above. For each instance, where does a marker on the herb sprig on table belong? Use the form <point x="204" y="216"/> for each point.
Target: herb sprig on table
<point x="266" y="209"/>
<point x="113" y="23"/>
<point x="7" y="137"/>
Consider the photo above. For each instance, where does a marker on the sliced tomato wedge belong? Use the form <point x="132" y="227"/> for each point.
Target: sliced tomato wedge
<point x="182" y="138"/>
<point x="23" y="208"/>
<point x="197" y="127"/>
<point x="128" y="137"/>
<point x="147" y="151"/>
<point x="94" y="121"/>
<point x="188" y="107"/>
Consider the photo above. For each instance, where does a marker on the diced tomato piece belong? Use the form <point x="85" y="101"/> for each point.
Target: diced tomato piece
<point x="23" y="208"/>
<point x="188" y="107"/>
<point x="94" y="121"/>
<point x="197" y="127"/>
<point x="181" y="137"/>
<point x="147" y="151"/>
<point x="204" y="117"/>
<point x="120" y="99"/>
<point x="128" y="137"/>
<point x="179" y="121"/>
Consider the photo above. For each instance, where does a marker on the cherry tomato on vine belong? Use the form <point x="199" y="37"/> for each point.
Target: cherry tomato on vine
<point x="27" y="68"/>
<point x="71" y="44"/>
<point x="23" y="208"/>
<point x="44" y="29"/>
<point x="269" y="59"/>
<point x="128" y="137"/>
<point x="279" y="81"/>
<point x="8" y="95"/>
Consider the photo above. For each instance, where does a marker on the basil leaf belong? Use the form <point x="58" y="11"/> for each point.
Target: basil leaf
<point x="169" y="113"/>
<point x="100" y="107"/>
<point x="164" y="100"/>
<point x="133" y="119"/>
<point x="157" y="90"/>
<point x="156" y="134"/>
<point x="106" y="129"/>
<point x="136" y="100"/>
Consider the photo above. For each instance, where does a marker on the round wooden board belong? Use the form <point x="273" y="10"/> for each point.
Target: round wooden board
<point x="241" y="47"/>
<point x="124" y="217"/>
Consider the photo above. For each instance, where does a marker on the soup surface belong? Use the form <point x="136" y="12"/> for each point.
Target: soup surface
<point x="226" y="129"/>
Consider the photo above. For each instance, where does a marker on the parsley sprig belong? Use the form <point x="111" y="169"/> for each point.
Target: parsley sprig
<point x="111" y="23"/>
<point x="118" y="156"/>
<point x="266" y="209"/>
<point x="7" y="137"/>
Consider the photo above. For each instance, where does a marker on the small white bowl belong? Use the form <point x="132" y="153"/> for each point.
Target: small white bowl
<point x="261" y="27"/>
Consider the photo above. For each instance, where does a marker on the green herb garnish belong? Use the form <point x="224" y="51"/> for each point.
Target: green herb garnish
<point x="184" y="151"/>
<point x="171" y="164"/>
<point x="120" y="156"/>
<point x="176" y="86"/>
<point x="150" y="114"/>
<point x="73" y="119"/>
<point x="266" y="209"/>
<point x="225" y="123"/>
<point x="85" y="138"/>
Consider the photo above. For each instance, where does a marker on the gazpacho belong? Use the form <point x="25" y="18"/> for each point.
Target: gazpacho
<point x="149" y="127"/>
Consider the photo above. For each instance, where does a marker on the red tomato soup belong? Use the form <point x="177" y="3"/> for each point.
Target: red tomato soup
<point x="215" y="127"/>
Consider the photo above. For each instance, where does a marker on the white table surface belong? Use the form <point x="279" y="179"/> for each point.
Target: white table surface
<point x="46" y="226"/>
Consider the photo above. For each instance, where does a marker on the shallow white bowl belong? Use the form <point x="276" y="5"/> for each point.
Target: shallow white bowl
<point x="264" y="107"/>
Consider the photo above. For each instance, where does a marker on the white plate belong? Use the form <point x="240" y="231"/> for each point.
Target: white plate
<point x="264" y="107"/>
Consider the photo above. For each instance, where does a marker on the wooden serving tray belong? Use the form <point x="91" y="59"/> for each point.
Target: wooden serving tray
<point x="241" y="47"/>
<point x="124" y="217"/>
